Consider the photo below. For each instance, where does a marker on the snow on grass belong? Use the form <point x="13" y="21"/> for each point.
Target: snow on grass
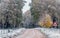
<point x="4" y="33"/>
<point x="50" y="32"/>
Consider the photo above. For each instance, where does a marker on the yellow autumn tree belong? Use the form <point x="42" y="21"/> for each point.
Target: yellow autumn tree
<point x="46" y="21"/>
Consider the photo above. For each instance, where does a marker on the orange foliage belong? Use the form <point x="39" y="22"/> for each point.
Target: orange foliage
<point x="46" y="22"/>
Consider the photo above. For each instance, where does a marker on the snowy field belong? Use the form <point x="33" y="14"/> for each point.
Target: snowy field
<point x="9" y="33"/>
<point x="50" y="32"/>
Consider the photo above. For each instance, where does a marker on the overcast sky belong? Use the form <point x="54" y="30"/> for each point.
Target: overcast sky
<point x="26" y="7"/>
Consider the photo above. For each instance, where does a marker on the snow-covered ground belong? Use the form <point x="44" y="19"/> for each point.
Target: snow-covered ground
<point x="9" y="33"/>
<point x="50" y="32"/>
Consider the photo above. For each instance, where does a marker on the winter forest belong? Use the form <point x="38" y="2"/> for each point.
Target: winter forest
<point x="29" y="18"/>
<point x="42" y="13"/>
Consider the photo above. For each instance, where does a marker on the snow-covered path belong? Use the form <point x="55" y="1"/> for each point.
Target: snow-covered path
<point x="49" y="32"/>
<point x="32" y="33"/>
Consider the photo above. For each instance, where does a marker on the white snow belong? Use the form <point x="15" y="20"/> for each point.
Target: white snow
<point x="13" y="32"/>
<point x="50" y="32"/>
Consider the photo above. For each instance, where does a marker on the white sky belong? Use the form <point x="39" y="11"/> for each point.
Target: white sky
<point x="26" y="7"/>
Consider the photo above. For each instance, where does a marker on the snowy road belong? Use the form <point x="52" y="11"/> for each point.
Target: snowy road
<point x="49" y="32"/>
<point x="32" y="33"/>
